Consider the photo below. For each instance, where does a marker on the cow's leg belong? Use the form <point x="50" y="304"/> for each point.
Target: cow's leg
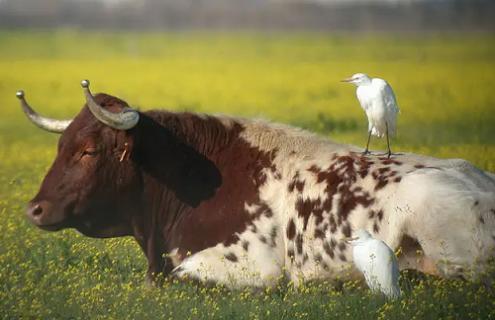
<point x="412" y="256"/>
<point x="249" y="262"/>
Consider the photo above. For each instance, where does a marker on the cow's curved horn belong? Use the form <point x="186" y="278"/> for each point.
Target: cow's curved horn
<point x="52" y="125"/>
<point x="124" y="120"/>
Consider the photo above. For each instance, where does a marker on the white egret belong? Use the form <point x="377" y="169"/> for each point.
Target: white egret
<point x="380" y="105"/>
<point x="377" y="262"/>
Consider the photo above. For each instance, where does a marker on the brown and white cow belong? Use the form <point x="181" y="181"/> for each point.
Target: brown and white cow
<point x="243" y="202"/>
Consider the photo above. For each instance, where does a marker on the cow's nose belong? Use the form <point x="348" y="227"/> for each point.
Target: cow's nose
<point x="37" y="211"/>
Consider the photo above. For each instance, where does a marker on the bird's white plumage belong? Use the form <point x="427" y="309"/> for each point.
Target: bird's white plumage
<point x="378" y="102"/>
<point x="378" y="264"/>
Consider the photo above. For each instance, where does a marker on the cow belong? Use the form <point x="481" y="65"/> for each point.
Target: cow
<point x="244" y="202"/>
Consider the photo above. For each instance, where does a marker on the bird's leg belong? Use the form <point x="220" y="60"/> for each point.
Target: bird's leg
<point x="366" y="151"/>
<point x="389" y="152"/>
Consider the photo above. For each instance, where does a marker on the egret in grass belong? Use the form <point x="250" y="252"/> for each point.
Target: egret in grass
<point x="380" y="105"/>
<point x="377" y="262"/>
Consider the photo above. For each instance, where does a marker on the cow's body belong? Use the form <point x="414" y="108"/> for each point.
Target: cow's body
<point x="311" y="193"/>
<point x="244" y="202"/>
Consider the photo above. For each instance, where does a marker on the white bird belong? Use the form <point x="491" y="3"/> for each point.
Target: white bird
<point x="377" y="262"/>
<point x="380" y="105"/>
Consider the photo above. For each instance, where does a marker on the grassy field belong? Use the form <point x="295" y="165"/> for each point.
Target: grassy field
<point x="444" y="86"/>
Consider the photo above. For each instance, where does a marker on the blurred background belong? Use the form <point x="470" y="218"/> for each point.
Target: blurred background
<point x="280" y="60"/>
<point x="323" y="15"/>
<point x="277" y="59"/>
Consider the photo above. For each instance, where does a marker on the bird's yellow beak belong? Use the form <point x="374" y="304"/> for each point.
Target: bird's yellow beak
<point x="346" y="80"/>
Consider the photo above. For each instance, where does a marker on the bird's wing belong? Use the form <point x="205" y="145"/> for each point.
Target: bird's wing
<point x="387" y="94"/>
<point x="387" y="97"/>
<point x="388" y="269"/>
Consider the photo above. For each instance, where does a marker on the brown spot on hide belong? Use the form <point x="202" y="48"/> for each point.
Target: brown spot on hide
<point x="333" y="243"/>
<point x="306" y="207"/>
<point x="383" y="170"/>
<point x="371" y="214"/>
<point x="291" y="229"/>
<point x="346" y="230"/>
<point x="375" y="228"/>
<point x="342" y="246"/>
<point x="261" y="209"/>
<point x="380" y="215"/>
<point x="397" y="179"/>
<point x="300" y="186"/>
<point x="481" y="219"/>
<point x="476" y="203"/>
<point x="492" y="211"/>
<point x="388" y="161"/>
<point x="419" y="166"/>
<point x="333" y="224"/>
<point x="296" y="183"/>
<point x="273" y="236"/>
<point x="319" y="234"/>
<point x="231" y="257"/>
<point x="262" y="239"/>
<point x="342" y="257"/>
<point x="328" y="249"/>
<point x="299" y="243"/>
<point x="382" y="182"/>
<point x="245" y="245"/>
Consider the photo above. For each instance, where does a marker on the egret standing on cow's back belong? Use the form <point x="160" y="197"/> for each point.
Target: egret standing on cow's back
<point x="377" y="262"/>
<point x="378" y="101"/>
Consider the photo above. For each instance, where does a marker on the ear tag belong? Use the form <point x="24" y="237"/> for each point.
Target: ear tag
<point x="122" y="157"/>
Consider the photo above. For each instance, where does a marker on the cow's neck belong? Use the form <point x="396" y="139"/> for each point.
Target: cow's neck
<point x="179" y="156"/>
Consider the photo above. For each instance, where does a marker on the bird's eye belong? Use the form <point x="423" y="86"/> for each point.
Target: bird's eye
<point x="91" y="152"/>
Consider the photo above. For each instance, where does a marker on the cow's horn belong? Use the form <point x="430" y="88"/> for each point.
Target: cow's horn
<point x="52" y="125"/>
<point x="124" y="120"/>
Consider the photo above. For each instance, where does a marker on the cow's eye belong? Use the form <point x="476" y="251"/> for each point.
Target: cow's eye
<point x="91" y="152"/>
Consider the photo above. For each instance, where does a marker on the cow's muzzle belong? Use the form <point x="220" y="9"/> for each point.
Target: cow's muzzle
<point x="42" y="215"/>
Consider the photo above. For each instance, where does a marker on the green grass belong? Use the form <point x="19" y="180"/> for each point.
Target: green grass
<point x="444" y="85"/>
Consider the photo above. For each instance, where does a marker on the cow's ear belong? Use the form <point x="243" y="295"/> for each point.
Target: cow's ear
<point x="197" y="177"/>
<point x="179" y="167"/>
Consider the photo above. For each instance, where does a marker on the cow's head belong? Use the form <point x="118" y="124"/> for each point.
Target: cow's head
<point x="104" y="156"/>
<point x="91" y="185"/>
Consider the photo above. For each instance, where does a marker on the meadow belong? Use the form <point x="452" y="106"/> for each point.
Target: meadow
<point x="444" y="85"/>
